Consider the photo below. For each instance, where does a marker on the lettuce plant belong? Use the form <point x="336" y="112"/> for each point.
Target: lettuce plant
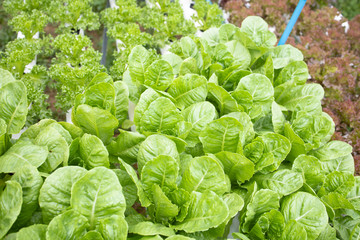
<point x="76" y="63"/>
<point x="226" y="127"/>
<point x="153" y="25"/>
<point x="29" y="17"/>
<point x="20" y="56"/>
<point x="74" y="15"/>
<point x="264" y="126"/>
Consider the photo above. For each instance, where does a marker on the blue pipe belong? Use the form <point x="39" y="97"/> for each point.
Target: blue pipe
<point x="292" y="22"/>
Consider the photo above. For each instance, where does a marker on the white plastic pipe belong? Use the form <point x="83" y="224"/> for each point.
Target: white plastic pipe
<point x="68" y="116"/>
<point x="188" y="11"/>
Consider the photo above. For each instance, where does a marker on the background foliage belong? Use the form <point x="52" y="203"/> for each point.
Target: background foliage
<point x="331" y="54"/>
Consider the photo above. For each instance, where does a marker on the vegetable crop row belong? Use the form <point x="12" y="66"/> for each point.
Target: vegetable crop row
<point x="225" y="126"/>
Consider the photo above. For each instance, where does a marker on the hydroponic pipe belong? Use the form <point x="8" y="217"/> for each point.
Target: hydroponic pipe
<point x="292" y="22"/>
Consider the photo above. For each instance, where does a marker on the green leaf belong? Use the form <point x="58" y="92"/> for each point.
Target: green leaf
<point x="241" y="236"/>
<point x="146" y="98"/>
<point x="206" y="210"/>
<point x="160" y="117"/>
<point x="278" y="118"/>
<point x="10" y="206"/>
<point x="259" y="229"/>
<point x="121" y="101"/>
<point x="4" y="138"/>
<point x="159" y="75"/>
<point x="14" y="106"/>
<point x="230" y="77"/>
<point x="199" y="115"/>
<point x="55" y="193"/>
<point x="226" y="32"/>
<point x="234" y="202"/>
<point x="23" y="153"/>
<point x="223" y="101"/>
<point x="98" y="195"/>
<point x="248" y="131"/>
<point x="283" y="181"/>
<point x="257" y="30"/>
<point x="339" y="182"/>
<point x="72" y="129"/>
<point x="294" y="231"/>
<point x="240" y="54"/>
<point x="310" y="168"/>
<point x="276" y="224"/>
<point x="31" y="182"/>
<point x="174" y="60"/>
<point x="259" y="87"/>
<point x="92" y="235"/>
<point x="162" y="209"/>
<point x="337" y="201"/>
<point x="57" y="147"/>
<point x="62" y="131"/>
<point x="307" y="210"/>
<point x="313" y="129"/>
<point x="126" y="146"/>
<point x="204" y="173"/>
<point x="145" y="202"/>
<point x="189" y="66"/>
<point x="68" y="225"/>
<point x="262" y="201"/>
<point x="139" y="60"/>
<point x="134" y="92"/>
<point x="128" y="187"/>
<point x="96" y="121"/>
<point x="150" y="229"/>
<point x="298" y="146"/>
<point x="179" y="237"/>
<point x="153" y="146"/>
<point x="212" y="35"/>
<point x="34" y="232"/>
<point x="329" y="233"/>
<point x="223" y="134"/>
<point x="100" y="78"/>
<point x="6" y="77"/>
<point x="236" y="166"/>
<point x="294" y="98"/>
<point x="354" y="195"/>
<point x="342" y="164"/>
<point x="113" y="227"/>
<point x="161" y="170"/>
<point x="284" y="54"/>
<point x="346" y="226"/>
<point x="181" y="198"/>
<point x="93" y="152"/>
<point x="264" y="66"/>
<point x="101" y="95"/>
<point x="74" y="153"/>
<point x="296" y="72"/>
<point x="188" y="89"/>
<point x="268" y="151"/>
<point x="35" y="129"/>
<point x="332" y="150"/>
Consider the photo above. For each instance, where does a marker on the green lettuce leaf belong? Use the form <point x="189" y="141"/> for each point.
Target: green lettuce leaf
<point x="98" y="195"/>
<point x="206" y="210"/>
<point x="10" y="206"/>
<point x="55" y="193"/>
